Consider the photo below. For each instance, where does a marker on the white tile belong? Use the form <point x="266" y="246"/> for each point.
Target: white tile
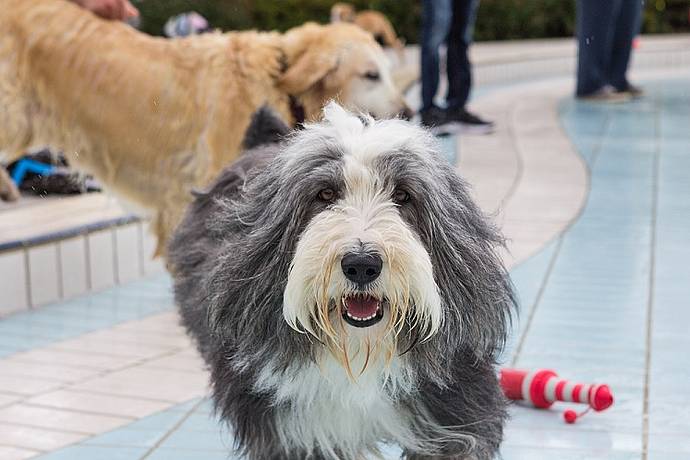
<point x="151" y="265"/>
<point x="15" y="453"/>
<point x="149" y="383"/>
<point x="53" y="371"/>
<point x="13" y="282"/>
<point x="44" y="276"/>
<point x="73" y="266"/>
<point x="57" y="419"/>
<point x="85" y="359"/>
<point x="8" y="398"/>
<point x="127" y="250"/>
<point x="36" y="438"/>
<point x="101" y="259"/>
<point x="24" y="385"/>
<point x="123" y="406"/>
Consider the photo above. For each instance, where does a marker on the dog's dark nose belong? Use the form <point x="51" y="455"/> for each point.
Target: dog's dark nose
<point x="361" y="267"/>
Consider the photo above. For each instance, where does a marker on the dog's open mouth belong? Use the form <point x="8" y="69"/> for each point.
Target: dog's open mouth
<point x="362" y="310"/>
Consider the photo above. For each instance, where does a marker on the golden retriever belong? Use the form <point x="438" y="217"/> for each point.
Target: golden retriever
<point x="153" y="118"/>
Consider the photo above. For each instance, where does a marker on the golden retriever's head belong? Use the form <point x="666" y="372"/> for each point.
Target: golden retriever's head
<point x="341" y="62"/>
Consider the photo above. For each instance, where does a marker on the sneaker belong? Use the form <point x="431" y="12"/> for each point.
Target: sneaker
<point x="635" y="92"/>
<point x="606" y="94"/>
<point x="436" y="120"/>
<point x="469" y="122"/>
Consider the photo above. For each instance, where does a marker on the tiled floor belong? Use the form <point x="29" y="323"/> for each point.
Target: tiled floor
<point x="112" y="376"/>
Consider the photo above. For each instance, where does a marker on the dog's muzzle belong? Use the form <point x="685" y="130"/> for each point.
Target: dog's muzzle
<point x="362" y="309"/>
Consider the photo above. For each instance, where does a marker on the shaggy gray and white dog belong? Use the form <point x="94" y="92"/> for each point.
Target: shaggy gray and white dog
<point x="345" y="291"/>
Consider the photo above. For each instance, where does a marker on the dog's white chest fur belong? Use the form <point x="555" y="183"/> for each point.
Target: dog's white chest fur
<point x="325" y="409"/>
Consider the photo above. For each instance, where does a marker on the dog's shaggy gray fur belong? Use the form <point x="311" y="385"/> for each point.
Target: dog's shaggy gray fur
<point x="231" y="259"/>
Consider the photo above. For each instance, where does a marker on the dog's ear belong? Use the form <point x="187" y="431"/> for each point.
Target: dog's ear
<point x="463" y="245"/>
<point x="310" y="68"/>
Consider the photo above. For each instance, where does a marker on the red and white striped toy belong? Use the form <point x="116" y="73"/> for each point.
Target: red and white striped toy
<point x="543" y="387"/>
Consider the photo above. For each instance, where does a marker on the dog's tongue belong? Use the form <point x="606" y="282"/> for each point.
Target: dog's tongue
<point x="361" y="306"/>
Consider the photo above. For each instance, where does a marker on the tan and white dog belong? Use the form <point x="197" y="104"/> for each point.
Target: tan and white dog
<point x="153" y="118"/>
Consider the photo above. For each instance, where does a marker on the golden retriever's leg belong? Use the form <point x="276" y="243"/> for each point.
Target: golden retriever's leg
<point x="164" y="223"/>
<point x="8" y="189"/>
<point x="159" y="231"/>
<point x="15" y="124"/>
<point x="15" y="133"/>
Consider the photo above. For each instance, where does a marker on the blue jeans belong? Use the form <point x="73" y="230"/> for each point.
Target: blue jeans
<point x="605" y="31"/>
<point x="450" y="21"/>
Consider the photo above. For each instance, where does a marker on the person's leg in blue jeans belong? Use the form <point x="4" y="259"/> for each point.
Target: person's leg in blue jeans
<point x="451" y="21"/>
<point x="436" y="21"/>
<point x="595" y="27"/>
<point x="458" y="65"/>
<point x="626" y="28"/>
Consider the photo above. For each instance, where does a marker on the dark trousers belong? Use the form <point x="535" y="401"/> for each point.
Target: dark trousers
<point x="605" y="32"/>
<point x="450" y="21"/>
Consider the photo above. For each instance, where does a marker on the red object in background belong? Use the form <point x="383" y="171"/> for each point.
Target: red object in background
<point x="636" y="43"/>
<point x="543" y="387"/>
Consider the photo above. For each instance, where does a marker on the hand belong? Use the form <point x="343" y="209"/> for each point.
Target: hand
<point x="110" y="9"/>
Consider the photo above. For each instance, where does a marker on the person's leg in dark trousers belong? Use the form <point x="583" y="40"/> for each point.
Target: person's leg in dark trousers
<point x="436" y="20"/>
<point x="595" y="24"/>
<point x="626" y="28"/>
<point x="458" y="65"/>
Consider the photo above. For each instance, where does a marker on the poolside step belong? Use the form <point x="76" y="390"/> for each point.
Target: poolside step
<point x="57" y="248"/>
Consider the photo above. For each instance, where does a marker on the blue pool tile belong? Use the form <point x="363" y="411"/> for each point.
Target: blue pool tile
<point x="206" y="407"/>
<point x="564" y="437"/>
<point x="127" y="437"/>
<point x="212" y="439"/>
<point x="72" y="318"/>
<point x="195" y="404"/>
<point x="200" y="421"/>
<point x="190" y="454"/>
<point x="86" y="452"/>
<point x="675" y="443"/>
<point x="161" y="421"/>
<point x="540" y="453"/>
<point x="660" y="455"/>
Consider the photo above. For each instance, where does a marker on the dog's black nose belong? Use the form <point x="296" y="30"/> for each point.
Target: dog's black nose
<point x="361" y="267"/>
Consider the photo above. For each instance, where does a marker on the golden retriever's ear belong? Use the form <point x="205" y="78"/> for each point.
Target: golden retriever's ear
<point x="310" y="68"/>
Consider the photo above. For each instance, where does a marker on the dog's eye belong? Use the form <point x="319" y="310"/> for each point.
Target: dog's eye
<point x="373" y="76"/>
<point x="400" y="196"/>
<point x="327" y="194"/>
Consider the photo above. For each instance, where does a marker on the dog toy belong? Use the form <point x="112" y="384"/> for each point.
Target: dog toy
<point x="543" y="387"/>
<point x="26" y="165"/>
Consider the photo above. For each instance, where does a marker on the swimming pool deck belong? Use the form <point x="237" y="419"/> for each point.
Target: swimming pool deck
<point x="595" y="203"/>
